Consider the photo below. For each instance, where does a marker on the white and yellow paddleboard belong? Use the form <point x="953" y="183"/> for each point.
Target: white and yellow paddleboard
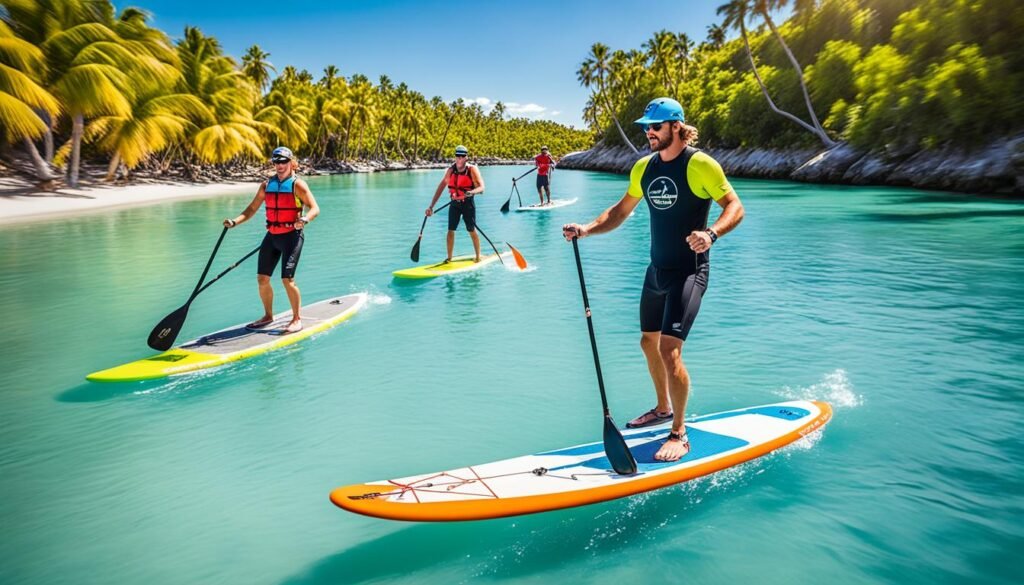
<point x="555" y="204"/>
<point x="234" y="343"/>
<point x="581" y="475"/>
<point x="457" y="265"/>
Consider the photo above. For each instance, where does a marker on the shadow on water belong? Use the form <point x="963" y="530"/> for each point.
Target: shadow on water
<point x="942" y="215"/>
<point x="97" y="392"/>
<point x="524" y="546"/>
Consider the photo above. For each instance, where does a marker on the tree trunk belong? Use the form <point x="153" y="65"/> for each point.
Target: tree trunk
<point x="611" y="112"/>
<point x="77" y="127"/>
<point x="43" y="170"/>
<point x="115" y="161"/>
<point x="803" y="86"/>
<point x="348" y="133"/>
<point x="376" y="146"/>
<point x="416" y="146"/>
<point x="764" y="89"/>
<point x="359" y="145"/>
<point x="440" y="147"/>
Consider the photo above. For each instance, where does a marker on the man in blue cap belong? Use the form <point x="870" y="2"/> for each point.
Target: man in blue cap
<point x="463" y="181"/>
<point x="678" y="182"/>
<point x="286" y="196"/>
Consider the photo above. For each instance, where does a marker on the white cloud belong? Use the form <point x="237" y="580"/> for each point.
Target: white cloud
<point x="515" y="109"/>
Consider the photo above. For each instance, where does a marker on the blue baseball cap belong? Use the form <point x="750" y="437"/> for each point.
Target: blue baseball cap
<point x="282" y="154"/>
<point x="662" y="110"/>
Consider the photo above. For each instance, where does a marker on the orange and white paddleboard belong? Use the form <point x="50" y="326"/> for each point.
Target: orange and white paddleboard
<point x="581" y="475"/>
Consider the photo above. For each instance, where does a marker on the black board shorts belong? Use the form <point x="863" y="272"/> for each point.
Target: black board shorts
<point x="465" y="210"/>
<point x="542" y="181"/>
<point x="275" y="246"/>
<point x="671" y="299"/>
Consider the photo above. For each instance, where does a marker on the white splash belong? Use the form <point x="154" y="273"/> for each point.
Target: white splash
<point x="835" y="389"/>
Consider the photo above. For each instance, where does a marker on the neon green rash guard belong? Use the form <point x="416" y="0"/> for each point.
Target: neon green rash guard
<point x="678" y="193"/>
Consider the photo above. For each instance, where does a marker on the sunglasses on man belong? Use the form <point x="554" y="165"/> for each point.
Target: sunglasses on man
<point x="656" y="126"/>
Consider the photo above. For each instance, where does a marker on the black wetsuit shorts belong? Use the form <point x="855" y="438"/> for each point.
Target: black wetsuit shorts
<point x="543" y="181"/>
<point x="464" y="209"/>
<point x="275" y="246"/>
<point x="671" y="298"/>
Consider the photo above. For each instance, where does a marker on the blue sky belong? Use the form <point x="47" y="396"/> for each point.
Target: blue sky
<point x="523" y="53"/>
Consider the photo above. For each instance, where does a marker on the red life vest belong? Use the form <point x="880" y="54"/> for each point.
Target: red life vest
<point x="543" y="163"/>
<point x="459" y="183"/>
<point x="283" y="205"/>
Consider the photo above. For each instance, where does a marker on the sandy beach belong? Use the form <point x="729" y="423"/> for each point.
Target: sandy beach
<point x="21" y="202"/>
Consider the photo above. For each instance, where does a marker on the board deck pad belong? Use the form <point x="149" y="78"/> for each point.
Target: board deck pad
<point x="555" y="204"/>
<point x="581" y="475"/>
<point x="458" y="265"/>
<point x="235" y="343"/>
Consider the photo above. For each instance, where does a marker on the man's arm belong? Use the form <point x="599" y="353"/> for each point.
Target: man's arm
<point x="732" y="214"/>
<point x="250" y="209"/>
<point x="609" y="219"/>
<point x="306" y="196"/>
<point x="478" y="180"/>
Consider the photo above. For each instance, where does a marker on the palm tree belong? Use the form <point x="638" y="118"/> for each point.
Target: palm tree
<point x="716" y="35"/>
<point x="21" y="97"/>
<point x="455" y="107"/>
<point x="661" y="49"/>
<point x="683" y="48"/>
<point x="594" y="69"/>
<point x="157" y="119"/>
<point x="256" y="67"/>
<point x="764" y="7"/>
<point x="229" y="130"/>
<point x="736" y="12"/>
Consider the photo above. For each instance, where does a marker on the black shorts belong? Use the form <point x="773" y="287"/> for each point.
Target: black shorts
<point x="671" y="298"/>
<point x="274" y="246"/>
<point x="542" y="181"/>
<point x="464" y="209"/>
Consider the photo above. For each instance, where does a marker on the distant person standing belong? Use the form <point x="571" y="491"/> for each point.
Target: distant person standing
<point x="286" y="196"/>
<point x="545" y="165"/>
<point x="463" y="182"/>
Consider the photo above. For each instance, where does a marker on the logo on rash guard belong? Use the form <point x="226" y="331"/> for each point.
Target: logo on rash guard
<point x="662" y="193"/>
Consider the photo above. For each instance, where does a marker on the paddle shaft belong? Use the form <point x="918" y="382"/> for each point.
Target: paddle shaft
<point x="209" y="263"/>
<point x="590" y="326"/>
<point x="490" y="242"/>
<point x="426" y="217"/>
<point x="225" y="271"/>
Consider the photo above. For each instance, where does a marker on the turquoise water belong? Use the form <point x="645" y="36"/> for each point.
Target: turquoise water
<point x="900" y="307"/>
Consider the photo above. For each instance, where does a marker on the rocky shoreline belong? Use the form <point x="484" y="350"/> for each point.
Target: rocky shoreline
<point x="997" y="169"/>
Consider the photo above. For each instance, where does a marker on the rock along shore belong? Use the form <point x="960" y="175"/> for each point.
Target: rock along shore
<point x="997" y="169"/>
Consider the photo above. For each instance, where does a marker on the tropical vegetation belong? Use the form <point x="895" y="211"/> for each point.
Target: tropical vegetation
<point x="79" y="80"/>
<point x="896" y="75"/>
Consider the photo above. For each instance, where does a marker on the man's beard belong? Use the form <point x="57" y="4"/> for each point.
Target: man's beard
<point x="663" y="144"/>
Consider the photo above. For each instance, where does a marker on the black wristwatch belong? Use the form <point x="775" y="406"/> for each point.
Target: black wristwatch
<point x="712" y="234"/>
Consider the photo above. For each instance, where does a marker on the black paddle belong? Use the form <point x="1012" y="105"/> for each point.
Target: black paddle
<point x="415" y="255"/>
<point x="504" y="208"/>
<point x="163" y="335"/>
<point x="615" y="447"/>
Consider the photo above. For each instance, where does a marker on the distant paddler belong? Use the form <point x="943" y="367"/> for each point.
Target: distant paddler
<point x="290" y="205"/>
<point x="545" y="165"/>
<point x="463" y="182"/>
<point x="678" y="182"/>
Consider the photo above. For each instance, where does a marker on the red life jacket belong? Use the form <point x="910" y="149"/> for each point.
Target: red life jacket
<point x="543" y="163"/>
<point x="459" y="183"/>
<point x="283" y="205"/>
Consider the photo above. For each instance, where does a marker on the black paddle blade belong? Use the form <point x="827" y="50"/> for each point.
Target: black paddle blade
<point x="616" y="450"/>
<point x="415" y="255"/>
<point x="504" y="208"/>
<point x="163" y="335"/>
